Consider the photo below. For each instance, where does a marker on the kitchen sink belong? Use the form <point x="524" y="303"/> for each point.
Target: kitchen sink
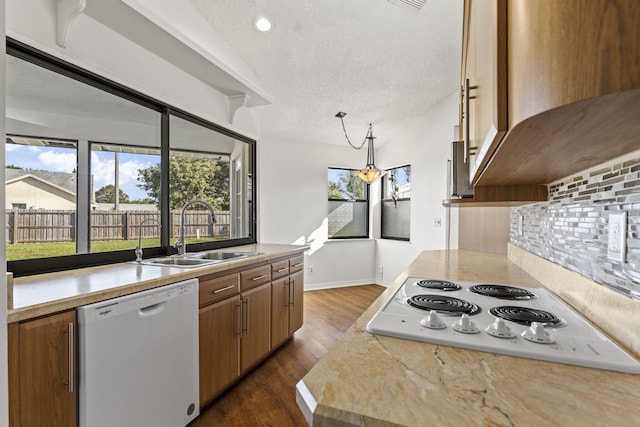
<point x="220" y="255"/>
<point x="178" y="262"/>
<point x="198" y="259"/>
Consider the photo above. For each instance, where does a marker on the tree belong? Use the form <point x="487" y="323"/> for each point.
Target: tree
<point x="145" y="201"/>
<point x="355" y="186"/>
<point x="189" y="179"/>
<point x="107" y="194"/>
<point x="347" y="185"/>
<point x="335" y="192"/>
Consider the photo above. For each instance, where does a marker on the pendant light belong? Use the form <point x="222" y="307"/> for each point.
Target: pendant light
<point x="370" y="173"/>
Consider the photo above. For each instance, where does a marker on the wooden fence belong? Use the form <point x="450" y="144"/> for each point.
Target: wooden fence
<point x="32" y="226"/>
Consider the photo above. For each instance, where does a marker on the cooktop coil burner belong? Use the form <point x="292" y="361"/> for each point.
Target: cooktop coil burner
<point x="502" y="292"/>
<point x="527" y="315"/>
<point x="442" y="285"/>
<point x="443" y="304"/>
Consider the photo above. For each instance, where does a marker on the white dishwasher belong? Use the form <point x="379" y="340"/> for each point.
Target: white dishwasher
<point x="138" y="358"/>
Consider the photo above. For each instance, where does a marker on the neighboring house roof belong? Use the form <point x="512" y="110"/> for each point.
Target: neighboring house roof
<point x="62" y="180"/>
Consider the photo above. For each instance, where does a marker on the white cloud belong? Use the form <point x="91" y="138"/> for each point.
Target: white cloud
<point x="103" y="171"/>
<point x="59" y="162"/>
<point x="11" y="147"/>
<point x="129" y="171"/>
<point x="21" y="148"/>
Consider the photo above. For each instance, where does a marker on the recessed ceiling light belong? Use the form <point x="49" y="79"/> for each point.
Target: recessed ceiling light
<point x="262" y="24"/>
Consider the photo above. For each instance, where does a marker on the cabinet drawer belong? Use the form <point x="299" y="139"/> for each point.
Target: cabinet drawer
<point x="296" y="264"/>
<point x="218" y="288"/>
<point x="255" y="277"/>
<point x="279" y="269"/>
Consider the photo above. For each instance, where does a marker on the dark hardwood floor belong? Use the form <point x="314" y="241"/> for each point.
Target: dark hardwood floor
<point x="266" y="396"/>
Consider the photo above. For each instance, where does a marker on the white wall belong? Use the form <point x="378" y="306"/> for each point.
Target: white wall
<point x="293" y="200"/>
<point x="425" y="144"/>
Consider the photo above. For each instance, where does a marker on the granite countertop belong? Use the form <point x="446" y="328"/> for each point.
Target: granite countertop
<point x="43" y="294"/>
<point x="368" y="380"/>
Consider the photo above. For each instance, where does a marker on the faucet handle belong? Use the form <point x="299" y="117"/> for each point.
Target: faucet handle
<point x="138" y="254"/>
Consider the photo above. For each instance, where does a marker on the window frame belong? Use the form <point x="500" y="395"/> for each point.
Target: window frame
<point x="385" y="176"/>
<point x="368" y="207"/>
<point x="79" y="260"/>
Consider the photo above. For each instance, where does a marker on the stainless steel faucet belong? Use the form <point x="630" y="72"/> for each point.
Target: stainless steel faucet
<point x="139" y="247"/>
<point x="179" y="244"/>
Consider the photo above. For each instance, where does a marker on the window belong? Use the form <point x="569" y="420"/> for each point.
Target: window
<point x="119" y="202"/>
<point x="215" y="168"/>
<point x="396" y="203"/>
<point x="41" y="185"/>
<point x="87" y="161"/>
<point x="348" y="205"/>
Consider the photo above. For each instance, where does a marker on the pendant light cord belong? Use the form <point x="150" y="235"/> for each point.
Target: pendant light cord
<point x="347" y="136"/>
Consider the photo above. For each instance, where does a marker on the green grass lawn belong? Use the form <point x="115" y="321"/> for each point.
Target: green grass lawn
<point x="18" y="251"/>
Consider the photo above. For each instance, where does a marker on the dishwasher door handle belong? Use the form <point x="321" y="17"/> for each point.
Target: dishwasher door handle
<point x="151" y="310"/>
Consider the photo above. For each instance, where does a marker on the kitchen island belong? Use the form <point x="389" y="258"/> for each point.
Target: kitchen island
<point x="371" y="380"/>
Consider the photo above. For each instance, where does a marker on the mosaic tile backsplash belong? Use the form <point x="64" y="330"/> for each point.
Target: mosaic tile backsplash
<point x="571" y="229"/>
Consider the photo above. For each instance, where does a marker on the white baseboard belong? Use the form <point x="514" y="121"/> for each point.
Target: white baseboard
<point x="331" y="285"/>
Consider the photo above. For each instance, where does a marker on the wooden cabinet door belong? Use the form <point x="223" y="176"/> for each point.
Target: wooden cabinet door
<point x="219" y="347"/>
<point x="296" y="308"/>
<point x="256" y="325"/>
<point x="486" y="69"/>
<point x="280" y="292"/>
<point x="46" y="371"/>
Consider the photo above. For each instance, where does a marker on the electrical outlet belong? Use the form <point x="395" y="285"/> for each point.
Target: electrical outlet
<point x="381" y="272"/>
<point x="617" y="242"/>
<point x="437" y="222"/>
<point x="310" y="269"/>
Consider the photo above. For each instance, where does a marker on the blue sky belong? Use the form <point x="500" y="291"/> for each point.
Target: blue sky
<point x="102" y="164"/>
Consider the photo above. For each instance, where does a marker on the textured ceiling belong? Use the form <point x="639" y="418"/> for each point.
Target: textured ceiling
<point x="380" y="63"/>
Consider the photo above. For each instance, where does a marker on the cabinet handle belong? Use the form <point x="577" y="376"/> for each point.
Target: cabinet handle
<point x="292" y="285"/>
<point x="288" y="284"/>
<point x="246" y="316"/>
<point x="467" y="97"/>
<point x="300" y="264"/>
<point x="259" y="277"/>
<point x="282" y="269"/>
<point x="217" y="291"/>
<point x="239" y="318"/>
<point x="70" y="357"/>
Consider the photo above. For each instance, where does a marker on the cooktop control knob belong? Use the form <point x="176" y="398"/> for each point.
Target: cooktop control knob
<point x="465" y="325"/>
<point x="500" y="329"/>
<point x="433" y="321"/>
<point x="537" y="333"/>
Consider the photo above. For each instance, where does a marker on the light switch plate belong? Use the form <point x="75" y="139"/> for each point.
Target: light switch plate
<point x="520" y="225"/>
<point x="617" y="241"/>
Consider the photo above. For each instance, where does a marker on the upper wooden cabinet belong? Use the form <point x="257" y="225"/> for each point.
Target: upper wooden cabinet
<point x="484" y="79"/>
<point x="572" y="87"/>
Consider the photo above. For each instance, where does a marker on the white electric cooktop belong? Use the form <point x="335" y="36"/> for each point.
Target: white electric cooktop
<point x="532" y="323"/>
